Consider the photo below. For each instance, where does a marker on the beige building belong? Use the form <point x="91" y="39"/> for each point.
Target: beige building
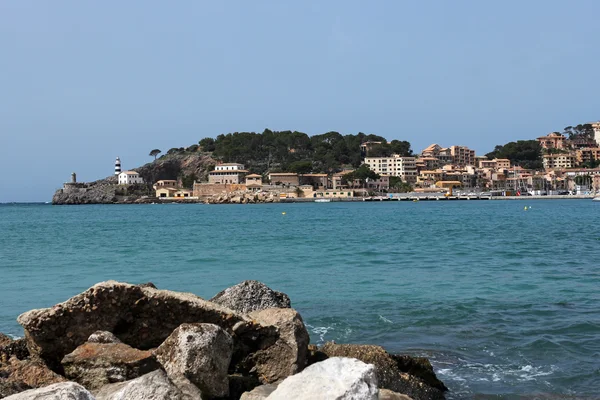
<point x="396" y="165"/>
<point x="165" y="183"/>
<point x="462" y="155"/>
<point x="253" y="182"/>
<point x="563" y="160"/>
<point x="284" y="178"/>
<point x="587" y="155"/>
<point x="230" y="173"/>
<point x="552" y="140"/>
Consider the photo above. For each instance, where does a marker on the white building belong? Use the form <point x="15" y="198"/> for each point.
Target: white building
<point x="395" y="165"/>
<point x="229" y="167"/>
<point x="129" y="178"/>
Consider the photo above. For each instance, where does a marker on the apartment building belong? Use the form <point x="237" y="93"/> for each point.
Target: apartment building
<point x="395" y="165"/>
<point x="564" y="160"/>
<point x="587" y="155"/>
<point x="462" y="155"/>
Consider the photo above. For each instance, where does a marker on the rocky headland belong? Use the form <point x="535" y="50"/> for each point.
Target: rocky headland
<point x="107" y="191"/>
<point x="118" y="341"/>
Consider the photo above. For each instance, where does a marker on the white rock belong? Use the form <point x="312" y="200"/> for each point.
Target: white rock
<point x="336" y="378"/>
<point x="58" y="391"/>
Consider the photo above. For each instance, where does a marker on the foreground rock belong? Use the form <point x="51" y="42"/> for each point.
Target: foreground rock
<point x="142" y="317"/>
<point x="19" y="375"/>
<point x="260" y="392"/>
<point x="153" y="386"/>
<point x="385" y="394"/>
<point x="94" y="365"/>
<point x="389" y="375"/>
<point x="288" y="355"/>
<point x="198" y="356"/>
<point x="58" y="391"/>
<point x="251" y="296"/>
<point x="335" y="378"/>
<point x="12" y="348"/>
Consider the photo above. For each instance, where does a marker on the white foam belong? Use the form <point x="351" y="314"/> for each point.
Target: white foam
<point x="384" y="319"/>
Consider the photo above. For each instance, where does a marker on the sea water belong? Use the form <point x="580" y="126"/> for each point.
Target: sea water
<point x="504" y="301"/>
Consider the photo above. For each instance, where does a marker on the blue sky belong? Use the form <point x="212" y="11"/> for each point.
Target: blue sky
<point x="83" y="82"/>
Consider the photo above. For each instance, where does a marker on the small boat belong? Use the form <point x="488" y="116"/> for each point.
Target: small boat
<point x="597" y="198"/>
<point x="322" y="200"/>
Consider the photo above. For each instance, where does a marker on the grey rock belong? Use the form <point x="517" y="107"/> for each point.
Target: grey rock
<point x="288" y="355"/>
<point x="103" y="337"/>
<point x="94" y="365"/>
<point x="57" y="391"/>
<point x="198" y="355"/>
<point x="260" y="392"/>
<point x="335" y="378"/>
<point x="153" y="386"/>
<point x="251" y="296"/>
<point x="142" y="317"/>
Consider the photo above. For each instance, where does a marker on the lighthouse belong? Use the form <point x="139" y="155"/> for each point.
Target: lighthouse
<point x="117" y="166"/>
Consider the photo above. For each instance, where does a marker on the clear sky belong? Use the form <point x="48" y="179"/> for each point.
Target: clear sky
<point x="82" y="82"/>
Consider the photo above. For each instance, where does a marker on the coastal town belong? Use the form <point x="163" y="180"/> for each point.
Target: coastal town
<point x="569" y="168"/>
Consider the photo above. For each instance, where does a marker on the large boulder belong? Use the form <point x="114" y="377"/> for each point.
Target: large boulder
<point x="389" y="374"/>
<point x="19" y="375"/>
<point x="251" y="296"/>
<point x="57" y="391"/>
<point x="153" y="386"/>
<point x="335" y="378"/>
<point x="288" y="355"/>
<point x="94" y="365"/>
<point x="140" y="316"/>
<point x="198" y="355"/>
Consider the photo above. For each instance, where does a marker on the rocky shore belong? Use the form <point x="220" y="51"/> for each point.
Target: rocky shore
<point x="119" y="341"/>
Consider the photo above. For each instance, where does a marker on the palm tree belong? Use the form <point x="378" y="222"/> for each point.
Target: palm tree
<point x="154" y="153"/>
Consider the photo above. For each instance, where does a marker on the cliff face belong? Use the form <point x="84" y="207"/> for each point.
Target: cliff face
<point x="107" y="191"/>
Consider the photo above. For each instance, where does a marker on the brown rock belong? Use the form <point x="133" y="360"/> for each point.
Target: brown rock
<point x="142" y="317"/>
<point x="389" y="375"/>
<point x="13" y="348"/>
<point x="4" y="340"/>
<point x="94" y="365"/>
<point x="19" y="375"/>
<point x="288" y="355"/>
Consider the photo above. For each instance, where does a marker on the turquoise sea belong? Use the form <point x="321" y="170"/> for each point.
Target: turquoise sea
<point x="505" y="302"/>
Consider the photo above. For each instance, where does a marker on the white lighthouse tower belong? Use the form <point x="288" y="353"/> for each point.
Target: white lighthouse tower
<point x="117" y="166"/>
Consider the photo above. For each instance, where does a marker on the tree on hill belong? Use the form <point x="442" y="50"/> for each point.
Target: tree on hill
<point x="362" y="174"/>
<point x="154" y="153"/>
<point x="581" y="131"/>
<point x="526" y="153"/>
<point x="400" y="147"/>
